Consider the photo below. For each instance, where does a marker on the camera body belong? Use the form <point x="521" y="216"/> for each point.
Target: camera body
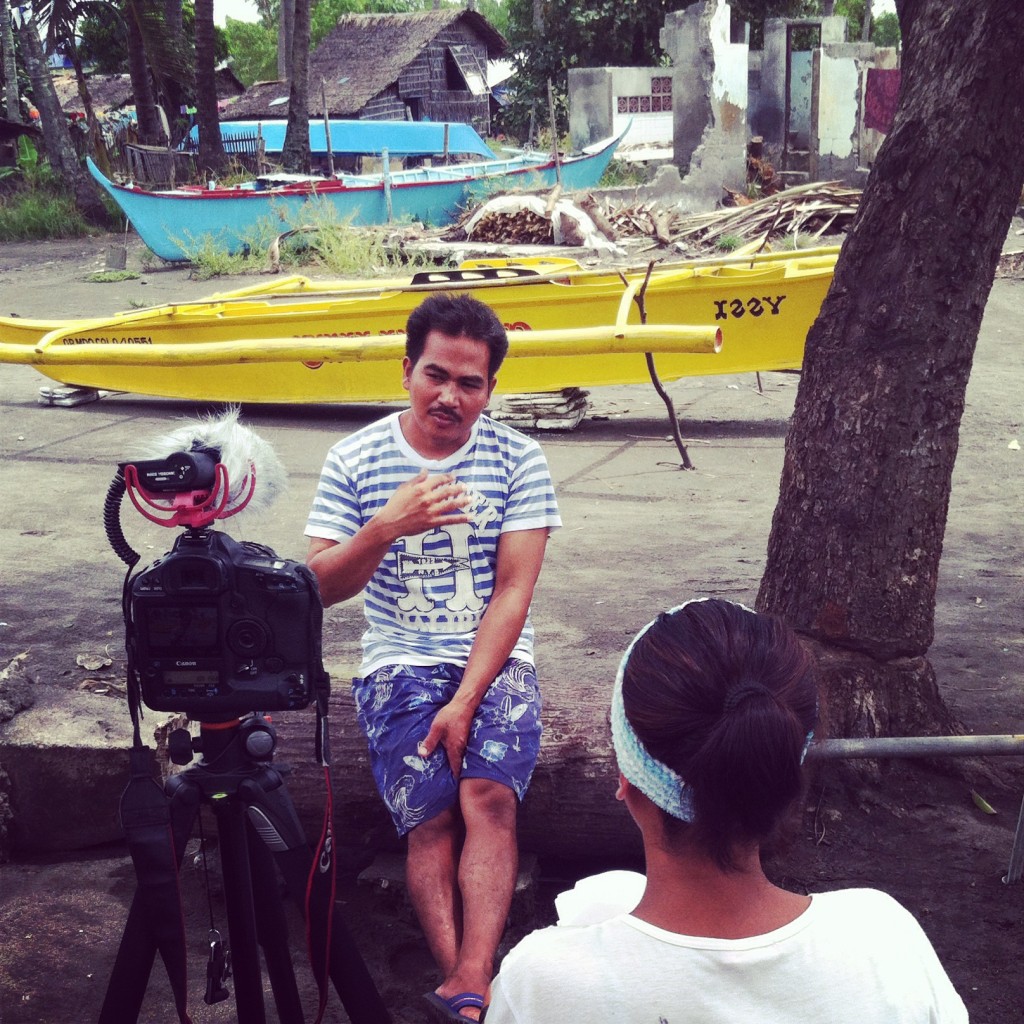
<point x="218" y="626"/>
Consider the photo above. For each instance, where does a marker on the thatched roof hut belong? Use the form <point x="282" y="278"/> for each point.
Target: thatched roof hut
<point x="112" y="92"/>
<point x="430" y="65"/>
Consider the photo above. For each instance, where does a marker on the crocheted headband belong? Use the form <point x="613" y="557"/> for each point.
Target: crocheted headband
<point x="659" y="783"/>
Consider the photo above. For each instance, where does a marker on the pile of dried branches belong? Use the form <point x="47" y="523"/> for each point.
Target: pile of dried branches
<point x="524" y="227"/>
<point x="814" y="209"/>
<point x="807" y="210"/>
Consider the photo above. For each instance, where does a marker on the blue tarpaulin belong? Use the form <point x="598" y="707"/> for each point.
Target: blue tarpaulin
<point x="363" y="138"/>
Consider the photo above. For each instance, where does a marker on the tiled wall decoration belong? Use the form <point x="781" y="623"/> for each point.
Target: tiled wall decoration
<point x="659" y="100"/>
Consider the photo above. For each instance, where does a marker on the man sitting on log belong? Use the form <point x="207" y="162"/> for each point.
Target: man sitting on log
<point x="442" y="515"/>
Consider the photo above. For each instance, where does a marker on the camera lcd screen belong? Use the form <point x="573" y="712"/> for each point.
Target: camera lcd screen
<point x="192" y="677"/>
<point x="182" y="628"/>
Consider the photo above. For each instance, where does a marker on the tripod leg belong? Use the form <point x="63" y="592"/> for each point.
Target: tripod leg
<point x="129" y="977"/>
<point x="238" y="897"/>
<point x="276" y="820"/>
<point x="272" y="931"/>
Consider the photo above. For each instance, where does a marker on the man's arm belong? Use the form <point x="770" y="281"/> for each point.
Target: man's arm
<point x="519" y="560"/>
<point x="344" y="567"/>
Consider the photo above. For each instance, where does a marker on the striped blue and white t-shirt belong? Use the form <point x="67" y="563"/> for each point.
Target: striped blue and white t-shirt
<point x="426" y="599"/>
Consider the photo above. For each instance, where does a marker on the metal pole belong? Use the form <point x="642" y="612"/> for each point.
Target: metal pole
<point x="933" y="746"/>
<point x="917" y="746"/>
<point x="386" y="172"/>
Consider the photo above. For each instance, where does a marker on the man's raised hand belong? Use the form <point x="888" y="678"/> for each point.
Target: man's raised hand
<point x="423" y="502"/>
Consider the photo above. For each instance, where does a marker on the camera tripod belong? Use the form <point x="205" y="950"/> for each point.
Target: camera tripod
<point x="257" y="827"/>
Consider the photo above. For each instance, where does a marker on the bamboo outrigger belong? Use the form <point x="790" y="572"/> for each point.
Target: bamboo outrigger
<point x="296" y="340"/>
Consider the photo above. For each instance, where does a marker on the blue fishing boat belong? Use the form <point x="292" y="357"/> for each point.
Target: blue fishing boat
<point x="177" y="223"/>
<point x="361" y="138"/>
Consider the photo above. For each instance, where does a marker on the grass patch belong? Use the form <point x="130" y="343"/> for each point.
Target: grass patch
<point x="729" y="243"/>
<point x="111" y="276"/>
<point x="314" y="237"/>
<point x="796" y="241"/>
<point x="33" y="213"/>
<point x="624" y="174"/>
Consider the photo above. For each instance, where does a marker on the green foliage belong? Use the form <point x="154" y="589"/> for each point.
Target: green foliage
<point x="28" y="156"/>
<point x="729" y="243"/>
<point x="623" y="174"/>
<point x="253" y="48"/>
<point x="103" y="40"/>
<point x="314" y="236"/>
<point x="39" y="212"/>
<point x="885" y="30"/>
<point x="853" y="12"/>
<point x="104" y="37"/>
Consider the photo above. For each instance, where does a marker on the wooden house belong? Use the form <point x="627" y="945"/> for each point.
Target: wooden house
<point x="430" y="65"/>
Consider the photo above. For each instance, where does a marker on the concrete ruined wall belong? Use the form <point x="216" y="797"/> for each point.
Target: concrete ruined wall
<point x="603" y="102"/>
<point x="839" y="72"/>
<point x="717" y="95"/>
<point x="709" y="100"/>
<point x="768" y="114"/>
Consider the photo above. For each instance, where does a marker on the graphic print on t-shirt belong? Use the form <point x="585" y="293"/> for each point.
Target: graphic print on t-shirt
<point x="436" y="569"/>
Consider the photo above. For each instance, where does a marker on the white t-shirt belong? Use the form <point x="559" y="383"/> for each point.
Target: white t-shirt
<point x="853" y="957"/>
<point x="425" y="601"/>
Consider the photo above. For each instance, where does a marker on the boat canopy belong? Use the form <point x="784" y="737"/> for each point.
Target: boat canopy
<point x="363" y="138"/>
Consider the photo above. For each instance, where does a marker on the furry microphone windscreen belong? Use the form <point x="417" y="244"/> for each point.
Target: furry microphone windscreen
<point x="235" y="446"/>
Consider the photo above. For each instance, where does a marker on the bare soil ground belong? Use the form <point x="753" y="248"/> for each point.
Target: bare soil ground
<point x="639" y="536"/>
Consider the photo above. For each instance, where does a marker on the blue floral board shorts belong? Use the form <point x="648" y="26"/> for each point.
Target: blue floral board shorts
<point x="396" y="706"/>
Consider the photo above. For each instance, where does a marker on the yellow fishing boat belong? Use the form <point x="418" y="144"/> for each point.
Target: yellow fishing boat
<point x="297" y="340"/>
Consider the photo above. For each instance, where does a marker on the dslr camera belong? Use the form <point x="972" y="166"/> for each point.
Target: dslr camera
<point x="216" y="627"/>
<point x="224" y="626"/>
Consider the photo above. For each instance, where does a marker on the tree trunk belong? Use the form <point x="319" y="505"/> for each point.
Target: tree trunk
<point x="11" y="105"/>
<point x="865" y="25"/>
<point x="285" y="40"/>
<point x="856" y="539"/>
<point x="213" y="161"/>
<point x="295" y="153"/>
<point x="151" y="132"/>
<point x="97" y="146"/>
<point x="59" y="149"/>
<point x="56" y="141"/>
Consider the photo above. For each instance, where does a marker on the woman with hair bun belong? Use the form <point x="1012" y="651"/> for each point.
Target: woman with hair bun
<point x="713" y="710"/>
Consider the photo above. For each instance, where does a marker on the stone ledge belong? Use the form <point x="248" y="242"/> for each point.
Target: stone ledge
<point x="65" y="765"/>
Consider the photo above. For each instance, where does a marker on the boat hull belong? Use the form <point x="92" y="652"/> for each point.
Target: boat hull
<point x="178" y="224"/>
<point x="764" y="314"/>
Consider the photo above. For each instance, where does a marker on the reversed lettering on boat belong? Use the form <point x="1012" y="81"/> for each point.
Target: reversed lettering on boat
<point x="736" y="308"/>
<point x="518" y="325"/>
<point x="316" y="364"/>
<point x="123" y="339"/>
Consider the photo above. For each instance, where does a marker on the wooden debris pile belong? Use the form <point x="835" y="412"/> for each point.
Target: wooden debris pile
<point x="520" y="227"/>
<point x="619" y="220"/>
<point x="810" y="210"/>
<point x="814" y="209"/>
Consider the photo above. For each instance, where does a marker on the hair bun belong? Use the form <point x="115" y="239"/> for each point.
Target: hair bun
<point x="741" y="692"/>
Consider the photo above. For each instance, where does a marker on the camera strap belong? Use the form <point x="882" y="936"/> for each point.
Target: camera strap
<point x="321" y="890"/>
<point x="147" y="824"/>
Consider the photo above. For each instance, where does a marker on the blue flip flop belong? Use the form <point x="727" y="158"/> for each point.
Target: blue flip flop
<point x="446" y="1011"/>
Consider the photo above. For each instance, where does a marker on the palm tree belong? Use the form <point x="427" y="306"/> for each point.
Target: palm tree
<point x="57" y="142"/>
<point x="295" y="152"/>
<point x="212" y="159"/>
<point x="11" y="104"/>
